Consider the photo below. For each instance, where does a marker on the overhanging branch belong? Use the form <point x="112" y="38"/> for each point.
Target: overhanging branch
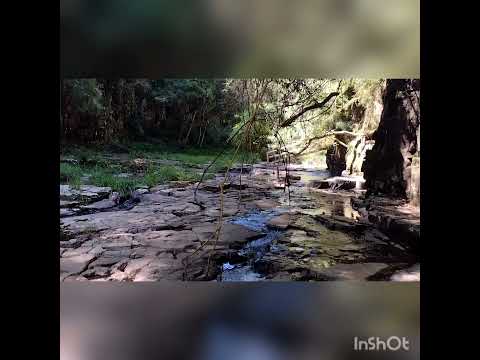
<point x="331" y="133"/>
<point x="316" y="105"/>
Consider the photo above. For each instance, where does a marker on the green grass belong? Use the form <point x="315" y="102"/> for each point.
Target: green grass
<point x="106" y="176"/>
<point x="103" y="172"/>
<point x="70" y="173"/>
<point x="189" y="156"/>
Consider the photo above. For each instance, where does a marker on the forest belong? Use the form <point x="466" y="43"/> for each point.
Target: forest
<point x="239" y="179"/>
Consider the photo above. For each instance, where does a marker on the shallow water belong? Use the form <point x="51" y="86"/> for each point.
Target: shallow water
<point x="254" y="250"/>
<point x="306" y="243"/>
<point x="240" y="273"/>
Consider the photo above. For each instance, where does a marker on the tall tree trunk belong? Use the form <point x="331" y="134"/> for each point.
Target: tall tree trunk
<point x="387" y="167"/>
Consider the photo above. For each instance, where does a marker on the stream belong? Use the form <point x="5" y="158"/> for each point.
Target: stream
<point x="308" y="231"/>
<point x="307" y="250"/>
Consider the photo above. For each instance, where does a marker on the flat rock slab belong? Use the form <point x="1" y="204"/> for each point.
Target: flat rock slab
<point x="230" y="234"/>
<point x="228" y="210"/>
<point x="351" y="271"/>
<point x="410" y="274"/>
<point x="168" y="239"/>
<point x="266" y="204"/>
<point x="131" y="221"/>
<point x="214" y="186"/>
<point x="181" y="209"/>
<point x="75" y="264"/>
<point x="157" y="198"/>
<point x="101" y="205"/>
<point x="85" y="192"/>
<point x="280" y="222"/>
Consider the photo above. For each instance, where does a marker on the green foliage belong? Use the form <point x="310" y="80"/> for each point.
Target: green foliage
<point x="363" y="89"/>
<point x="253" y="137"/>
<point x="86" y="95"/>
<point x="206" y="112"/>
<point x="185" y="90"/>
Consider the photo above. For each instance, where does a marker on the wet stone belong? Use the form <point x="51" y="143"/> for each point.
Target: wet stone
<point x="280" y="222"/>
<point x="361" y="271"/>
<point x="410" y="274"/>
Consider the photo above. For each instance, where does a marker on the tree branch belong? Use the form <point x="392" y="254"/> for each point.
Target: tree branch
<point x="331" y="133"/>
<point x="316" y="105"/>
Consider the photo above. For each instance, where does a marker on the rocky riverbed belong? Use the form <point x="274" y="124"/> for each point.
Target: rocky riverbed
<point x="311" y="230"/>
